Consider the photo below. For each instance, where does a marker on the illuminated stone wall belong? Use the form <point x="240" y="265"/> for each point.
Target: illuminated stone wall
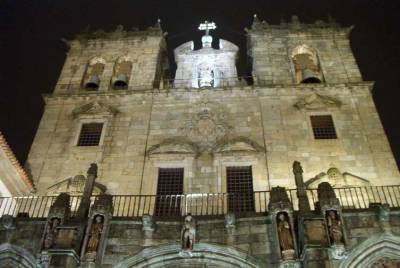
<point x="265" y="125"/>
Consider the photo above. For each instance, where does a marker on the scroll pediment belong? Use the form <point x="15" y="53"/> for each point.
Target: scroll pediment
<point x="174" y="146"/>
<point x="317" y="102"/>
<point x="94" y="108"/>
<point x="74" y="186"/>
<point x="336" y="179"/>
<point x="239" y="144"/>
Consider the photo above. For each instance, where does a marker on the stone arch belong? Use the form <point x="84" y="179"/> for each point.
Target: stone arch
<point x="122" y="72"/>
<point x="94" y="70"/>
<point x="12" y="256"/>
<point x="372" y="250"/>
<point x="202" y="254"/>
<point x="306" y="64"/>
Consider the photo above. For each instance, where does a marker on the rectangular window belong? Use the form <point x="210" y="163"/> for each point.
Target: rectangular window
<point x="323" y="127"/>
<point x="90" y="134"/>
<point x="240" y="189"/>
<point x="169" y="192"/>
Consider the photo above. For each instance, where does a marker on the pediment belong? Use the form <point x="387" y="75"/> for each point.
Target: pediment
<point x="174" y="146"/>
<point x="317" y="101"/>
<point x="94" y="108"/>
<point x="74" y="186"/>
<point x="336" y="179"/>
<point x="239" y="144"/>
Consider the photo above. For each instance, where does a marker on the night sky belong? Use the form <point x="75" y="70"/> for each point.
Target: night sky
<point x="32" y="53"/>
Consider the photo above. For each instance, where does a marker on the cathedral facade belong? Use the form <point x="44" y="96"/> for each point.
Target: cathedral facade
<point x="286" y="167"/>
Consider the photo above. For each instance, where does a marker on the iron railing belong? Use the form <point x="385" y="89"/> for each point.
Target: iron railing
<point x="201" y="204"/>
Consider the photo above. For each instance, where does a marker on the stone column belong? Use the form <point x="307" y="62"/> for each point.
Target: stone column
<point x="281" y="210"/>
<point x="304" y="205"/>
<point x="87" y="192"/>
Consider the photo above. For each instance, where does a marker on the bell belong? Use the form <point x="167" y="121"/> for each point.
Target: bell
<point x="309" y="77"/>
<point x="120" y="82"/>
<point x="92" y="83"/>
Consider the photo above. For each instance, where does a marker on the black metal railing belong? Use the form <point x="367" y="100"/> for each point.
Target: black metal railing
<point x="201" y="204"/>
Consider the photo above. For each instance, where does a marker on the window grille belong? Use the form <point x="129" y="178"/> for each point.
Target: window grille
<point x="169" y="191"/>
<point x="323" y="127"/>
<point x="240" y="189"/>
<point x="90" y="134"/>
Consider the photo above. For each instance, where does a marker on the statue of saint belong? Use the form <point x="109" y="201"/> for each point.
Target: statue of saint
<point x="188" y="233"/>
<point x="95" y="234"/>
<point x="284" y="232"/>
<point x="334" y="228"/>
<point x="51" y="233"/>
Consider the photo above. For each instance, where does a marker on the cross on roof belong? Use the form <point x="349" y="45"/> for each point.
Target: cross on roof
<point x="207" y="26"/>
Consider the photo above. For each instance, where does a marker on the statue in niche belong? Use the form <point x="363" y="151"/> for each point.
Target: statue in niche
<point x="285" y="235"/>
<point x="51" y="233"/>
<point x="188" y="233"/>
<point x="95" y="234"/>
<point x="334" y="228"/>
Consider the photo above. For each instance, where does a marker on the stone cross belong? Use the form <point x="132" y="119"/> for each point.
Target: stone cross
<point x="207" y="26"/>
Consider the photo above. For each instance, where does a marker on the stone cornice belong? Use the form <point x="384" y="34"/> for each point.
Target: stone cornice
<point x="147" y="93"/>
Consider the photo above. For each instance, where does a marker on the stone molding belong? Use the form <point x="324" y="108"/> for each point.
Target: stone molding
<point x="16" y="256"/>
<point x="161" y="256"/>
<point x="375" y="248"/>
<point x="317" y="101"/>
<point x="94" y="108"/>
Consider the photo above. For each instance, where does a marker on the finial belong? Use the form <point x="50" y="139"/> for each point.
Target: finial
<point x="158" y="23"/>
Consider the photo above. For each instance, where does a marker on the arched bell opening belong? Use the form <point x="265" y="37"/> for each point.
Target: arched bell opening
<point x="94" y="70"/>
<point x="306" y="65"/>
<point x="122" y="72"/>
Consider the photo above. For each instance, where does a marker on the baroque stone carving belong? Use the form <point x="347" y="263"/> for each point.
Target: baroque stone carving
<point x="237" y="144"/>
<point x="207" y="126"/>
<point x="285" y="236"/>
<point x="337" y="179"/>
<point x="188" y="233"/>
<point x="334" y="228"/>
<point x="317" y="101"/>
<point x="174" y="146"/>
<point x="230" y="220"/>
<point x="74" y="186"/>
<point x="95" y="234"/>
<point x="51" y="232"/>
<point x="94" y="108"/>
<point x="8" y="222"/>
<point x="386" y="263"/>
<point x="147" y="223"/>
<point x="279" y="199"/>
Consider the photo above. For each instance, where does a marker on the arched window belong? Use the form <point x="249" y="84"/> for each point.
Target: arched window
<point x="306" y="65"/>
<point x="93" y="74"/>
<point x="122" y="73"/>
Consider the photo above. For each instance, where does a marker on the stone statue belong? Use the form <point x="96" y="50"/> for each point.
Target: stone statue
<point x="188" y="233"/>
<point x="95" y="234"/>
<point x="230" y="220"/>
<point x="334" y="228"/>
<point x="147" y="223"/>
<point x="51" y="233"/>
<point x="284" y="232"/>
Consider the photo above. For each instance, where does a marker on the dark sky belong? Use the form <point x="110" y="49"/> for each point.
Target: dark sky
<point x="32" y="54"/>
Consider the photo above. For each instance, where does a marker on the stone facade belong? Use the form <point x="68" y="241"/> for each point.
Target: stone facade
<point x="265" y="125"/>
<point x="116" y="80"/>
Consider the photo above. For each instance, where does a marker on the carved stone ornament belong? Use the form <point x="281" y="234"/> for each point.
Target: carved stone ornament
<point x="386" y="263"/>
<point x="74" y="186"/>
<point x="103" y="204"/>
<point x="327" y="198"/>
<point x="174" y="146"/>
<point x="289" y="264"/>
<point x="237" y="144"/>
<point x="317" y="101"/>
<point x="279" y="200"/>
<point x="93" y="108"/>
<point x="188" y="233"/>
<point x="285" y="236"/>
<point x="337" y="179"/>
<point x="147" y="223"/>
<point x="8" y="222"/>
<point x="230" y="220"/>
<point x="207" y="126"/>
<point x="61" y="207"/>
<point x="384" y="213"/>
